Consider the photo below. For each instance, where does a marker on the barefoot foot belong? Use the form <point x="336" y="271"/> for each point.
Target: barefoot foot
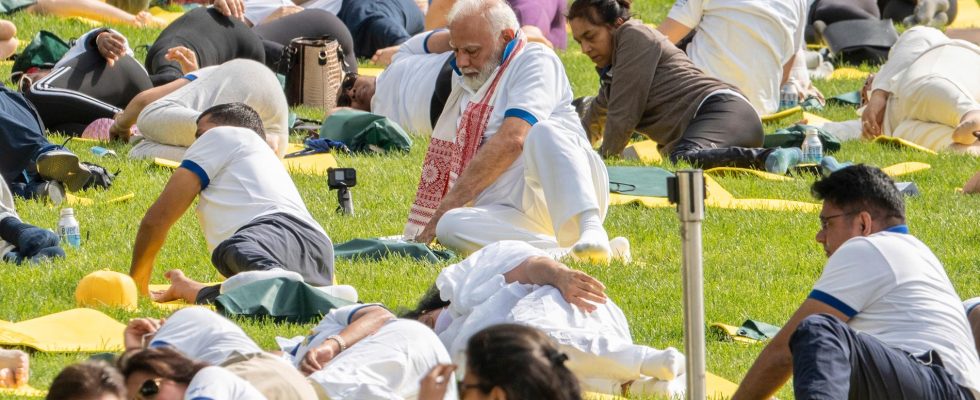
<point x="14" y="368"/>
<point x="181" y="288"/>
<point x="969" y="129"/>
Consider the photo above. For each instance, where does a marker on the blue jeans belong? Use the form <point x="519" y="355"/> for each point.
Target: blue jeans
<point x="833" y="361"/>
<point x="21" y="135"/>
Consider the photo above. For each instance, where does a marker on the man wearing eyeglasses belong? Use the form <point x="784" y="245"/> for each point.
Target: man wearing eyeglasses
<point x="883" y="320"/>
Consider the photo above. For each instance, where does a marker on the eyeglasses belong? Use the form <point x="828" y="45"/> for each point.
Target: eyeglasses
<point x="826" y="220"/>
<point x="149" y="389"/>
<point x="348" y="82"/>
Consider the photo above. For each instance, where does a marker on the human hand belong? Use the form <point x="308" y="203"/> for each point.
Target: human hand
<point x="119" y="132"/>
<point x="317" y="357"/>
<point x="434" y="384"/>
<point x="581" y="290"/>
<point x="231" y="8"/>
<point x="385" y="55"/>
<point x="874" y="115"/>
<point x="183" y="56"/>
<point x="111" y="45"/>
<point x="138" y="330"/>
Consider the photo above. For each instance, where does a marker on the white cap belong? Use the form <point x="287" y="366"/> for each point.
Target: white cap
<point x="67" y="211"/>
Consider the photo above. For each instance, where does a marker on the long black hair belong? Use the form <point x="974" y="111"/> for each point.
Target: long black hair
<point x="522" y="361"/>
<point x="601" y="12"/>
<point x="429" y="301"/>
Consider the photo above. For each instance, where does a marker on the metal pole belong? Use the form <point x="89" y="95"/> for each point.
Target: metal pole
<point x="690" y="209"/>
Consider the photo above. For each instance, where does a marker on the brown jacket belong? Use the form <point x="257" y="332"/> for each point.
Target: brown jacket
<point x="650" y="87"/>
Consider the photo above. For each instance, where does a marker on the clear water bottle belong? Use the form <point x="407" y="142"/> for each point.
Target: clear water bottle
<point x="789" y="97"/>
<point x="68" y="228"/>
<point x="812" y="147"/>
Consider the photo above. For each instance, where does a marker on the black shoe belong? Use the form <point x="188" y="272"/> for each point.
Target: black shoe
<point x="52" y="191"/>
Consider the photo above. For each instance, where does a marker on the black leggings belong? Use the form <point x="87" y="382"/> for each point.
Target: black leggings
<point x="213" y="37"/>
<point x="725" y="132"/>
<point x="830" y="11"/>
<point x="897" y="10"/>
<point x="308" y="23"/>
<point x="83" y="90"/>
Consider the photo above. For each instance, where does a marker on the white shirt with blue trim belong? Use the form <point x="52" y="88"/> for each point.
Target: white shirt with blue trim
<point x="404" y="90"/>
<point x="894" y="288"/>
<point x="241" y="180"/>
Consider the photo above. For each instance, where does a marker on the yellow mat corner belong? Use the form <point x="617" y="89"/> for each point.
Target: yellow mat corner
<point x="967" y="15"/>
<point x="782" y="114"/>
<point x="905" y="168"/>
<point x="717" y="388"/>
<point x="23" y="391"/>
<point x="75" y="330"/>
<point x="644" y="151"/>
<point x="848" y="73"/>
<point x="73" y="200"/>
<point x="314" y="164"/>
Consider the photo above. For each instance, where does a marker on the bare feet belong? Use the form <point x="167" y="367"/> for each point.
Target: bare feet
<point x="14" y="368"/>
<point x="181" y="288"/>
<point x="969" y="129"/>
<point x="144" y="19"/>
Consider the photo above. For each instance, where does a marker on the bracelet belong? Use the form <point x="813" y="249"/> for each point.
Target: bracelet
<point x="340" y="342"/>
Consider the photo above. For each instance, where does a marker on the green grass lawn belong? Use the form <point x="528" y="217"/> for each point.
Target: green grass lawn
<point x="758" y="264"/>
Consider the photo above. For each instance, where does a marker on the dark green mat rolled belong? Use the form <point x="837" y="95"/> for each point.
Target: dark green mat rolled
<point x="639" y="181"/>
<point x="280" y="298"/>
<point x="364" y="132"/>
<point x="377" y="249"/>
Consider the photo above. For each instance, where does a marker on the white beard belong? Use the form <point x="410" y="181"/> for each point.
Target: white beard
<point x="474" y="83"/>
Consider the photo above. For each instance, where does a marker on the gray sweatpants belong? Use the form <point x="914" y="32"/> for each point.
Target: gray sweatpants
<point x="274" y="241"/>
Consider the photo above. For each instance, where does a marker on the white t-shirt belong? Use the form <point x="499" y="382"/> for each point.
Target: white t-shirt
<point x="257" y="11"/>
<point x="79" y="47"/>
<point x="241" y="180"/>
<point x="331" y="6"/>
<point x="404" y="90"/>
<point x="744" y="42"/>
<point x="216" y="383"/>
<point x="893" y="288"/>
<point x="534" y="88"/>
<point x="221" y="84"/>
<point x="203" y="335"/>
<point x="385" y="365"/>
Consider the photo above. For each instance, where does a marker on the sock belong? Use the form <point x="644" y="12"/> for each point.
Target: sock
<point x="779" y="161"/>
<point x="663" y="364"/>
<point x="593" y="242"/>
<point x="620" y="247"/>
<point x="28" y="238"/>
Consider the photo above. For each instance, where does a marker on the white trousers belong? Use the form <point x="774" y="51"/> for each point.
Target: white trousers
<point x="557" y="177"/>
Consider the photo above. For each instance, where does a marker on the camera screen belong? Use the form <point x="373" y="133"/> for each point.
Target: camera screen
<point x="338" y="174"/>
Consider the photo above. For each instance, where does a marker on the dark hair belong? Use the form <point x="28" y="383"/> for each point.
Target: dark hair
<point x="164" y="362"/>
<point x="600" y="12"/>
<point x="431" y="300"/>
<point x="235" y="114"/>
<point x="862" y="188"/>
<point x="522" y="361"/>
<point x="87" y="380"/>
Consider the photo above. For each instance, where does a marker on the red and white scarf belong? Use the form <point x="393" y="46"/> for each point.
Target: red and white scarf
<point x="453" y="146"/>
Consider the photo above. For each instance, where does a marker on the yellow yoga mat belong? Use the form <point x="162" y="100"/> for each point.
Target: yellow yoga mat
<point x="169" y="16"/>
<point x="718" y="197"/>
<point x="73" y="200"/>
<point x="369" y="71"/>
<point x="176" y="304"/>
<point x="717" y="388"/>
<point x="815" y="120"/>
<point x="743" y="171"/>
<point x="314" y="164"/>
<point x="782" y="114"/>
<point x="76" y="330"/>
<point x="23" y="391"/>
<point x="898" y="142"/>
<point x="645" y="151"/>
<point x="905" y="168"/>
<point x="967" y="15"/>
<point x="848" y="73"/>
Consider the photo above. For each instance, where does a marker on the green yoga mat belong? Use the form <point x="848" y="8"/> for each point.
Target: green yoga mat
<point x="281" y="299"/>
<point x="638" y="181"/>
<point x="377" y="249"/>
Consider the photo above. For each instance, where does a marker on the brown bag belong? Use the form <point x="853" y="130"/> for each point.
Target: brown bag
<point x="314" y="68"/>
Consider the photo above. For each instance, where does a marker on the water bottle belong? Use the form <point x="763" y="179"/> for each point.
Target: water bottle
<point x="788" y="96"/>
<point x="103" y="152"/>
<point x="68" y="228"/>
<point x="812" y="148"/>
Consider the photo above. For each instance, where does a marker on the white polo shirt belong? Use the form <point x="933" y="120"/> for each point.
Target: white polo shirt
<point x="744" y="43"/>
<point x="892" y="287"/>
<point x="216" y="383"/>
<point x="257" y="11"/>
<point x="404" y="90"/>
<point x="241" y="180"/>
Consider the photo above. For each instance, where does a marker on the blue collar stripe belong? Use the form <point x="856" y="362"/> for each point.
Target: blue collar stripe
<point x="899" y="229"/>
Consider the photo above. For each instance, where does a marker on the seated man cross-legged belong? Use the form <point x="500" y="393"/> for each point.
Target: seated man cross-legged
<point x="252" y="215"/>
<point x="883" y="321"/>
<point x="509" y="159"/>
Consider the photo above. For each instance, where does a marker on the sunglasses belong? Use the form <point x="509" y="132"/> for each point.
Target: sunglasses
<point x="149" y="389"/>
<point x="348" y="82"/>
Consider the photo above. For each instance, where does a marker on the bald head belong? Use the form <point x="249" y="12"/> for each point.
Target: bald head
<point x="478" y="32"/>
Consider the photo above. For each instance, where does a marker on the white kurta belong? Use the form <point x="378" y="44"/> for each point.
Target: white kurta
<point x="386" y="365"/>
<point x="933" y="82"/>
<point x="404" y="90"/>
<point x="558" y="176"/>
<point x="599" y="345"/>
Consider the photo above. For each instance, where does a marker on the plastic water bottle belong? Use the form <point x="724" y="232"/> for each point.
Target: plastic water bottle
<point x="812" y="147"/>
<point x="789" y="97"/>
<point x="68" y="228"/>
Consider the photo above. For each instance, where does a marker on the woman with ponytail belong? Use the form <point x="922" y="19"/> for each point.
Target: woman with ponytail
<point x="650" y="86"/>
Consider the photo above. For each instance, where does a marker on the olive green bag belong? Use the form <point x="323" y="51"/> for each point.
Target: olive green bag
<point x="43" y="51"/>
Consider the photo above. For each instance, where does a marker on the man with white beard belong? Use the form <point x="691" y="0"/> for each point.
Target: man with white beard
<point x="509" y="159"/>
